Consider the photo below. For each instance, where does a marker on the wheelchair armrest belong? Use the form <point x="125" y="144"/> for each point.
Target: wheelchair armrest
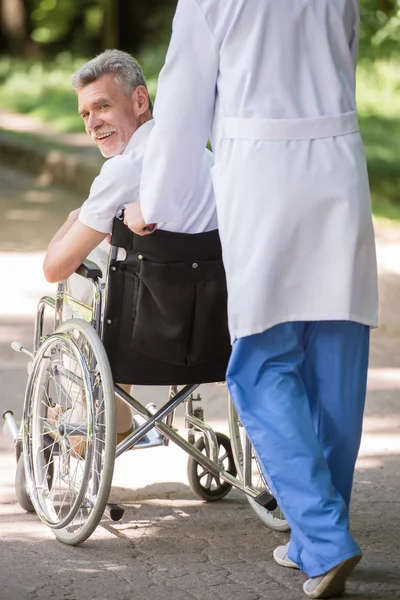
<point x="89" y="270"/>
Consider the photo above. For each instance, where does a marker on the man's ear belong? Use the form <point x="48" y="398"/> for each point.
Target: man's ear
<point x="140" y="99"/>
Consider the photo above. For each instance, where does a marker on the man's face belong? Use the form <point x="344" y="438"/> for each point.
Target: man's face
<point x="110" y="117"/>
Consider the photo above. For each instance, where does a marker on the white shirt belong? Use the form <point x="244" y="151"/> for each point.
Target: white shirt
<point x="273" y="83"/>
<point x="118" y="184"/>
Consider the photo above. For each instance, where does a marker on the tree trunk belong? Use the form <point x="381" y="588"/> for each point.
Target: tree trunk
<point x="111" y="25"/>
<point x="14" y="26"/>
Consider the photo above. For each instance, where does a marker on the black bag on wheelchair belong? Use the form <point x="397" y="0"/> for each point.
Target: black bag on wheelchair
<point x="165" y="319"/>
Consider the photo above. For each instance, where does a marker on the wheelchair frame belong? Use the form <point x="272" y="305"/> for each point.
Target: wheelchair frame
<point x="152" y="427"/>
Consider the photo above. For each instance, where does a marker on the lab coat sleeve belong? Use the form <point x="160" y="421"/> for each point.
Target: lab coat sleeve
<point x="183" y="115"/>
<point x="355" y="37"/>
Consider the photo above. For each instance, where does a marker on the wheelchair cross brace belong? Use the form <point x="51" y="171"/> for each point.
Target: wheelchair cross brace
<point x="156" y="420"/>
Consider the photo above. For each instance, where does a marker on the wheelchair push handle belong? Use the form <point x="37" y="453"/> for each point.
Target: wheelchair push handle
<point x="150" y="227"/>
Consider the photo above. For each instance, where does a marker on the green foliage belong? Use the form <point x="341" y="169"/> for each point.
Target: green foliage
<point x="379" y="28"/>
<point x="44" y="90"/>
<point x="378" y="92"/>
<point x="57" y="20"/>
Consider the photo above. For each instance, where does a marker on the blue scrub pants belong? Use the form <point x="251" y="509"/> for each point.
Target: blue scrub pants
<point x="299" y="389"/>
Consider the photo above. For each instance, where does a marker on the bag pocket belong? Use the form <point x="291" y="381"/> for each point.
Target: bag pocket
<point x="163" y="313"/>
<point x="210" y="336"/>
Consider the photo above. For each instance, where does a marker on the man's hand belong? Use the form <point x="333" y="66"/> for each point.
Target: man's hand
<point x="133" y="218"/>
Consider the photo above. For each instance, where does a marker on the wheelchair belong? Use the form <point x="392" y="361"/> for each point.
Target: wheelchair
<point x="135" y="332"/>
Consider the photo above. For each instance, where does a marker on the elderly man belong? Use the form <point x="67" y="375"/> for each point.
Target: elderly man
<point x="273" y="84"/>
<point x="114" y="104"/>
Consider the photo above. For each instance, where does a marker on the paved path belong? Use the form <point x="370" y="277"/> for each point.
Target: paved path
<point x="169" y="545"/>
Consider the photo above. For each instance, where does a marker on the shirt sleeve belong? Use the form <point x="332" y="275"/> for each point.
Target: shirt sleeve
<point x="116" y="185"/>
<point x="183" y="115"/>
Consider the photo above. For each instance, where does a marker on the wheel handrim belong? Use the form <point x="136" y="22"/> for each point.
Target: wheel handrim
<point x="54" y="505"/>
<point x="275" y="518"/>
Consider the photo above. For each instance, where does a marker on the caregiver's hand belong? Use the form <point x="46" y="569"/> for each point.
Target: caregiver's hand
<point x="133" y="219"/>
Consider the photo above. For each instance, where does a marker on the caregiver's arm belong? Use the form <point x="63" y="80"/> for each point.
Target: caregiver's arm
<point x="183" y="116"/>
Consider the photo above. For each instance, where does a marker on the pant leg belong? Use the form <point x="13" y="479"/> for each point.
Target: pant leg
<point x="335" y="376"/>
<point x="264" y="379"/>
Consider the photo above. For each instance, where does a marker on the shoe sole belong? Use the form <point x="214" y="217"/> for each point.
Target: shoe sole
<point x="285" y="563"/>
<point x="334" y="582"/>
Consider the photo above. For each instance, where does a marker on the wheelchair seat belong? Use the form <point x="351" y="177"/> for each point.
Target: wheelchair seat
<point x="165" y="319"/>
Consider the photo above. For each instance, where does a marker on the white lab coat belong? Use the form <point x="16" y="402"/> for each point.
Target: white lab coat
<point x="273" y="82"/>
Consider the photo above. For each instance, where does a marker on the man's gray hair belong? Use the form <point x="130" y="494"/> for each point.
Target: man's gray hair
<point x="126" y="70"/>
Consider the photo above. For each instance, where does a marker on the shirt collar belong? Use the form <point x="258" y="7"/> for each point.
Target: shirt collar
<point x="140" y="136"/>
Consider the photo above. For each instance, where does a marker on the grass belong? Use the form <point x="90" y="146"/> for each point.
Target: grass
<point x="44" y="91"/>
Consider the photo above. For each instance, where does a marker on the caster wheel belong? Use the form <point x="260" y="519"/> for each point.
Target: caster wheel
<point x="204" y="484"/>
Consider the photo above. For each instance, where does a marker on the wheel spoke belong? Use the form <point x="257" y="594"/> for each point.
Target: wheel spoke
<point x="209" y="481"/>
<point x="223" y="457"/>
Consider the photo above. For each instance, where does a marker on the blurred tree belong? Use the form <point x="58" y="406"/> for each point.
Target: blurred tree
<point x="85" y="27"/>
<point x="134" y="24"/>
<point x="89" y="26"/>
<point x="14" y="26"/>
<point x="379" y="28"/>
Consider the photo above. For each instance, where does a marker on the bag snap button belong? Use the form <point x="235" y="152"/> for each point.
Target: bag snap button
<point x="194" y="266"/>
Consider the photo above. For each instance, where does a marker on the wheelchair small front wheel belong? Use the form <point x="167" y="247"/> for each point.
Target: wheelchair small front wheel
<point x="204" y="484"/>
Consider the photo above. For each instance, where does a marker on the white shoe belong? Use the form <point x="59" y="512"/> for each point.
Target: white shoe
<point x="332" y="583"/>
<point x="281" y="557"/>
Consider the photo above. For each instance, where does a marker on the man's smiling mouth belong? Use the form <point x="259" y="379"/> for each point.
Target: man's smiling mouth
<point x="103" y="136"/>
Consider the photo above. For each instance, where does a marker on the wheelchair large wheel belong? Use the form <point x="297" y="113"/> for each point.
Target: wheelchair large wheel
<point x="273" y="519"/>
<point x="69" y="429"/>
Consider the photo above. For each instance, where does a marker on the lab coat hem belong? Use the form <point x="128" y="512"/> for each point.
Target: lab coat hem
<point x="370" y="322"/>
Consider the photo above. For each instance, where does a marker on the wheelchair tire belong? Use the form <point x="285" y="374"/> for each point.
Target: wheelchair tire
<point x="21" y="490"/>
<point x="213" y="488"/>
<point x="273" y="519"/>
<point x="69" y="428"/>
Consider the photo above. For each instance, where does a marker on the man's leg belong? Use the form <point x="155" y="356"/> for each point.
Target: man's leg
<point x="264" y="379"/>
<point x="82" y="289"/>
<point x="335" y="377"/>
<point x="123" y="415"/>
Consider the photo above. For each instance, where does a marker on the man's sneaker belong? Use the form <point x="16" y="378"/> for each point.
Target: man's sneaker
<point x="332" y="583"/>
<point x="281" y="557"/>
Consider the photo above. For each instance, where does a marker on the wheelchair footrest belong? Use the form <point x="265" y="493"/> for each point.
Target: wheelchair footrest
<point x="266" y="500"/>
<point x="114" y="512"/>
